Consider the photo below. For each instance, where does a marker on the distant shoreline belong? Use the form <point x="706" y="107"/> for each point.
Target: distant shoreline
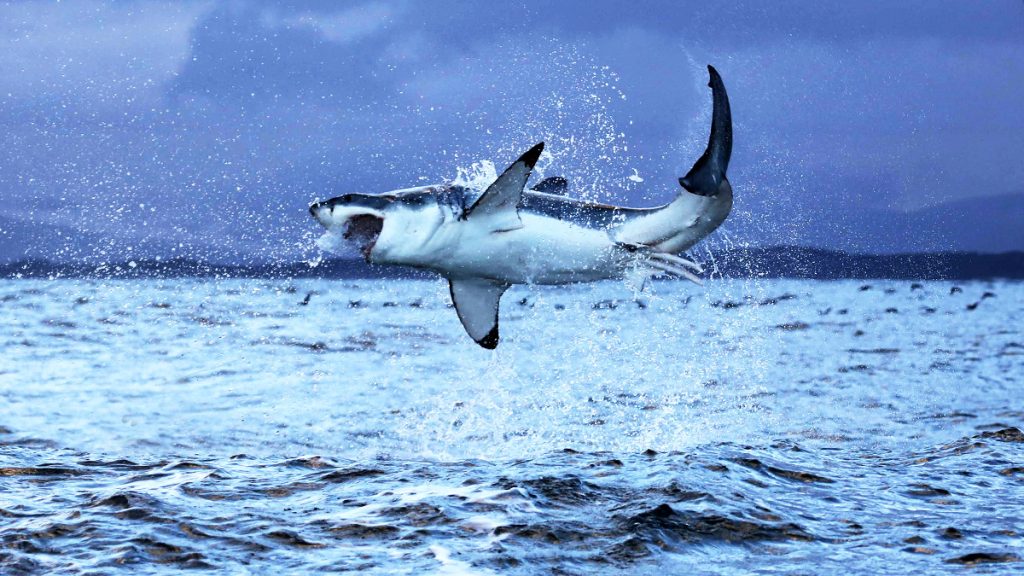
<point x="772" y="262"/>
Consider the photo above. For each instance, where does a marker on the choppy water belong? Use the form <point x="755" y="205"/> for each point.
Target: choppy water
<point x="748" y="427"/>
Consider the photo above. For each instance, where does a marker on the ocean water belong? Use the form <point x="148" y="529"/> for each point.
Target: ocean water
<point x="771" y="426"/>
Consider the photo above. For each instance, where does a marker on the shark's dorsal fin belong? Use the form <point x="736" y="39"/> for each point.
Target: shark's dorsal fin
<point x="476" y="301"/>
<point x="553" y="185"/>
<point x="500" y="202"/>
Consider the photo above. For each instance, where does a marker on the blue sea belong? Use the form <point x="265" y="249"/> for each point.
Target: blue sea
<point x="247" y="426"/>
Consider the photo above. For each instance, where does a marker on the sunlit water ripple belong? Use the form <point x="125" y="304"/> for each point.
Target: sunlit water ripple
<point x="746" y="427"/>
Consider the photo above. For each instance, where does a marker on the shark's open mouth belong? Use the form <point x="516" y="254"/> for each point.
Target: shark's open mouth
<point x="364" y="229"/>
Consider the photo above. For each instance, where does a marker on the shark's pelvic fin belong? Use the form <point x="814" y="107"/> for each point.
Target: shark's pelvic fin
<point x="500" y="202"/>
<point x="553" y="185"/>
<point x="476" y="301"/>
<point x="659" y="263"/>
<point x="707" y="174"/>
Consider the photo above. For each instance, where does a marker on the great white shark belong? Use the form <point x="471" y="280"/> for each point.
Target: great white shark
<point x="514" y="234"/>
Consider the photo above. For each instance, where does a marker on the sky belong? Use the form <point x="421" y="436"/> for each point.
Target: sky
<point x="205" y="129"/>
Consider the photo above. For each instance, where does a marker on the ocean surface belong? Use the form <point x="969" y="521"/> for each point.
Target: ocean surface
<point x="761" y="426"/>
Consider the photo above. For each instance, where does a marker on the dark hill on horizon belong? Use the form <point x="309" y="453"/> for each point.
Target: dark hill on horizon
<point x="772" y="262"/>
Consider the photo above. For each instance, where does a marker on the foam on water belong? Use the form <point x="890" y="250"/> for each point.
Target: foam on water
<point x="681" y="367"/>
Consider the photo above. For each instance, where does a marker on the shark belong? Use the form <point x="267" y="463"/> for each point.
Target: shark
<point x="515" y="233"/>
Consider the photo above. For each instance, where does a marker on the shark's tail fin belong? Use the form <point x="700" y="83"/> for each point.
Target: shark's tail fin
<point x="707" y="198"/>
<point x="708" y="172"/>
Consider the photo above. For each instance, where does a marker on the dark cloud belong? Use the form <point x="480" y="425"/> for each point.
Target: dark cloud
<point x="206" y="128"/>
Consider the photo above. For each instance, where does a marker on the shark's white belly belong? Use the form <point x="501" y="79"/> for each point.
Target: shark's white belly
<point x="542" y="251"/>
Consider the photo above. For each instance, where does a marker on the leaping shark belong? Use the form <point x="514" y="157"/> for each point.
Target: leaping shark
<point x="513" y="235"/>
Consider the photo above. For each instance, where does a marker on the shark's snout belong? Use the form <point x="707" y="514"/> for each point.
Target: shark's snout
<point x="331" y="213"/>
<point x="323" y="213"/>
<point x="314" y="211"/>
<point x="338" y="210"/>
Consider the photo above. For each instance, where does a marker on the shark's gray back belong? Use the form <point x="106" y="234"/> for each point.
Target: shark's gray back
<point x="584" y="213"/>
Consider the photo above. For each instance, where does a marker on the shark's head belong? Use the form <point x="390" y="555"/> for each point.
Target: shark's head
<point x="387" y="228"/>
<point x="358" y="218"/>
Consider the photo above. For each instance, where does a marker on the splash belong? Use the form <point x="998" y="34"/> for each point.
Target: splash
<point x="478" y="176"/>
<point x="334" y="241"/>
<point x="559" y="95"/>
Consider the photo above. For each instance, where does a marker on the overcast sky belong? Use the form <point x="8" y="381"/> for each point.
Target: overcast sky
<point x="206" y="128"/>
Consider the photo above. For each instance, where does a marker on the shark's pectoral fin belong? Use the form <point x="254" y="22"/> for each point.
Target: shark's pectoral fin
<point x="553" y="185"/>
<point x="476" y="301"/>
<point x="499" y="204"/>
